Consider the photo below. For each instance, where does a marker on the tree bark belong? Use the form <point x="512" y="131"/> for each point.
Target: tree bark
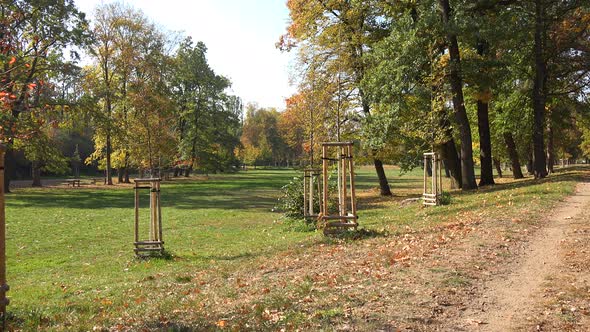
<point x="513" y="155"/>
<point x="498" y="166"/>
<point x="485" y="144"/>
<point x="428" y="168"/>
<point x="540" y="70"/>
<point x="187" y="171"/>
<point x="9" y="167"/>
<point x="448" y="153"/>
<point x="384" y="189"/>
<point x="550" y="146"/>
<point x="108" y="161"/>
<point x="119" y="175"/>
<point x="456" y="80"/>
<point x="446" y="168"/>
<point x="36" y="170"/>
<point x="483" y="126"/>
<point x="126" y="169"/>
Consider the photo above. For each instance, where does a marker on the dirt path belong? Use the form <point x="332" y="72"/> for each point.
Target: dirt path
<point x="507" y="300"/>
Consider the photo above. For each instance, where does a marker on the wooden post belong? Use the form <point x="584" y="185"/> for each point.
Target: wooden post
<point x="3" y="285"/>
<point x="159" y="214"/>
<point x="311" y="193"/>
<point x="440" y="187"/>
<point x="154" y="243"/>
<point x="304" y="192"/>
<point x="136" y="212"/>
<point x="325" y="180"/>
<point x="425" y="192"/>
<point x="434" y="182"/>
<point x="352" y="186"/>
<point x="319" y="188"/>
<point x="344" y="160"/>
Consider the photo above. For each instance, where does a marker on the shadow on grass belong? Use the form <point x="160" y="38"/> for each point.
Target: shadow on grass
<point x="180" y="327"/>
<point x="355" y="235"/>
<point x="574" y="173"/>
<point x="165" y="256"/>
<point x="178" y="196"/>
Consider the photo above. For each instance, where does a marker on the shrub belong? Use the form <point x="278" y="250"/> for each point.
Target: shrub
<point x="445" y="198"/>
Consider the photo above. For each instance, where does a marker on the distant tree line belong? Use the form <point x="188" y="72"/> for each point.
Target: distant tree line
<point x="484" y="83"/>
<point x="147" y="100"/>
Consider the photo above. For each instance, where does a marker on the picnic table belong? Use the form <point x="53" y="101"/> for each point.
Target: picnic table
<point x="73" y="182"/>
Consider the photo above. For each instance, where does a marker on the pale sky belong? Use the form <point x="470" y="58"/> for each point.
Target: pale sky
<point x="240" y="36"/>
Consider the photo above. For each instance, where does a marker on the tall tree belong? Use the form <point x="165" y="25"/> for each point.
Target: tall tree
<point x="333" y="37"/>
<point x="33" y="35"/>
<point x="456" y="83"/>
<point x="208" y="119"/>
<point x="103" y="50"/>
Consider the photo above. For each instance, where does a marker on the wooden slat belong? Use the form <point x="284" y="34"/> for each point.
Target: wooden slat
<point x="146" y="243"/>
<point x="349" y="217"/>
<point x="336" y="143"/>
<point x="341" y="224"/>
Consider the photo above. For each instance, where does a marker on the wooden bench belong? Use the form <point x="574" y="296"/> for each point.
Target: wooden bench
<point x="73" y="182"/>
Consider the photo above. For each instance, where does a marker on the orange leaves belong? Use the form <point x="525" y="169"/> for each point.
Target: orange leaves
<point x="12" y="61"/>
<point x="221" y="323"/>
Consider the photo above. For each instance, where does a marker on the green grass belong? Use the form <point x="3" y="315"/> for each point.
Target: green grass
<point x="74" y="247"/>
<point x="70" y="254"/>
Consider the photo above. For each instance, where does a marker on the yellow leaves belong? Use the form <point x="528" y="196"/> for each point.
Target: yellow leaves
<point x="221" y="323"/>
<point x="484" y="96"/>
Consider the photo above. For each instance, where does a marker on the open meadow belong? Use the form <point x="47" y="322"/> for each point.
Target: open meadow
<point x="233" y="262"/>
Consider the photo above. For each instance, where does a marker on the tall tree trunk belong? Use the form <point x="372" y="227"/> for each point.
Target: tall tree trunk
<point x="448" y="153"/>
<point x="540" y="70"/>
<point x="176" y="171"/>
<point x="530" y="163"/>
<point x="120" y="175"/>
<point x="513" y="155"/>
<point x="483" y="126"/>
<point x="446" y="168"/>
<point x="187" y="171"/>
<point x="109" y="177"/>
<point x="550" y="146"/>
<point x="9" y="167"/>
<point x="384" y="189"/>
<point x="498" y="166"/>
<point x="36" y="170"/>
<point x="485" y="144"/>
<point x="126" y="172"/>
<point x="467" y="167"/>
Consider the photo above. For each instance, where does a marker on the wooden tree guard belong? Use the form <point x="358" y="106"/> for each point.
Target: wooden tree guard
<point x="432" y="184"/>
<point x="154" y="244"/>
<point x="335" y="223"/>
<point x="310" y="175"/>
<point x="3" y="285"/>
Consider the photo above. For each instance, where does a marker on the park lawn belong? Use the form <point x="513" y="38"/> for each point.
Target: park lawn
<point x="71" y="265"/>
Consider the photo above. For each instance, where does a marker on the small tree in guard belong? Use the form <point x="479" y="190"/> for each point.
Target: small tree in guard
<point x="346" y="217"/>
<point x="310" y="180"/>
<point x="432" y="182"/>
<point x="154" y="243"/>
